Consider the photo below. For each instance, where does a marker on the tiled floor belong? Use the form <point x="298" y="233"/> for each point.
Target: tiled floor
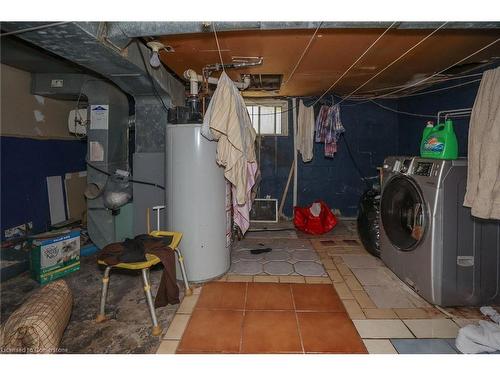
<point x="283" y="302"/>
<point x="269" y="318"/>
<point x="300" y="261"/>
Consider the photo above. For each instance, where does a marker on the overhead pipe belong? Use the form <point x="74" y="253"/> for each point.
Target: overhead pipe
<point x="209" y="69"/>
<point x="194" y="78"/>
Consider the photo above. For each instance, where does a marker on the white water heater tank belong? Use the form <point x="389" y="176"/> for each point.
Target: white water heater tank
<point x="196" y="202"/>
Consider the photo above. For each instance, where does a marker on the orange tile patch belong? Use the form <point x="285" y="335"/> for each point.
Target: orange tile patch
<point x="269" y="318"/>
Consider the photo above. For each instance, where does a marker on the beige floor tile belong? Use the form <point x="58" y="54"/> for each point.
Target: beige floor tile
<point x="462" y="322"/>
<point x="335" y="276"/>
<point x="344" y="270"/>
<point x="177" y="327"/>
<point x="328" y="264"/>
<point x="337" y="259"/>
<point x="363" y="299"/>
<point x="380" y="314"/>
<point x="379" y="346"/>
<point x="197" y="289"/>
<point x="292" y="279"/>
<point x="188" y="303"/>
<point x="317" y="280"/>
<point x="239" y="278"/>
<point x="412" y="313"/>
<point x="362" y="261"/>
<point x="389" y="297"/>
<point x="382" y="329"/>
<point x="352" y="282"/>
<point x="168" y="347"/>
<point x="266" y="279"/>
<point x="432" y="328"/>
<point x="343" y="291"/>
<point x="353" y="309"/>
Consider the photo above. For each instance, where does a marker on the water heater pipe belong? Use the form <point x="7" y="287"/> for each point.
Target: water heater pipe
<point x="194" y="78"/>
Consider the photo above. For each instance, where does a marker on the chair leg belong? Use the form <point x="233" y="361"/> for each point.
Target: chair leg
<point x="101" y="317"/>
<point x="149" y="299"/>
<point x="188" y="291"/>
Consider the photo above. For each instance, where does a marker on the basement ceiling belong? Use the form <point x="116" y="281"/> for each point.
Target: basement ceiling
<point x="331" y="53"/>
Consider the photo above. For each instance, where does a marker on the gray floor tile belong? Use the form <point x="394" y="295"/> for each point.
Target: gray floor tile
<point x="246" y="268"/>
<point x="309" y="269"/>
<point x="305" y="255"/>
<point x="245" y="255"/>
<point x="282" y="255"/>
<point x="423" y="346"/>
<point x="278" y="268"/>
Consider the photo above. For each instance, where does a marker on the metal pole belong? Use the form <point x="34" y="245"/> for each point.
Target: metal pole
<point x="294" y="121"/>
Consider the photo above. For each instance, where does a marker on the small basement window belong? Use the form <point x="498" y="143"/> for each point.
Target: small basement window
<point x="269" y="117"/>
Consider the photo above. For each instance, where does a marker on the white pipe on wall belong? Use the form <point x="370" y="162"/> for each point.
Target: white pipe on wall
<point x="294" y="121"/>
<point x="194" y="78"/>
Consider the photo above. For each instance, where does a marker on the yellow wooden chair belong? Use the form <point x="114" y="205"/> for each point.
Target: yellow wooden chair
<point x="144" y="267"/>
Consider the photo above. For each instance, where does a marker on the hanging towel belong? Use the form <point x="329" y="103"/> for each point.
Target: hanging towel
<point x="483" y="171"/>
<point x="227" y="121"/>
<point x="305" y="131"/>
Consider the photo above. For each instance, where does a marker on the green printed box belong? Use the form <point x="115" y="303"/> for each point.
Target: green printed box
<point x="55" y="257"/>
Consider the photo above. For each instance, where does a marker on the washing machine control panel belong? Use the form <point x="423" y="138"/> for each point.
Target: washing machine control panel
<point x="423" y="169"/>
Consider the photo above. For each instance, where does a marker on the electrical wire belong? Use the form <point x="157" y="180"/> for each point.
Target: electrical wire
<point x="355" y="62"/>
<point x="441" y="89"/>
<point x="440" y="72"/>
<point x="130" y="179"/>
<point x="151" y="78"/>
<point x="401" y="112"/>
<point x="393" y="62"/>
<point x="77" y="107"/>
<point x="356" y="166"/>
<point x="15" y="32"/>
<point x="437" y="81"/>
<point x="302" y="55"/>
<point x="218" y="47"/>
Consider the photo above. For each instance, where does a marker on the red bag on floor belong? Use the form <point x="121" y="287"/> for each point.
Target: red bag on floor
<point x="314" y="219"/>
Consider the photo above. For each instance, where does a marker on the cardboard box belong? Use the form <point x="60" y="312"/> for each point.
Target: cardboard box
<point x="55" y="257"/>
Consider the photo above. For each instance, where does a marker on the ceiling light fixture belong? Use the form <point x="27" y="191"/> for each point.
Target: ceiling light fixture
<point x="156" y="47"/>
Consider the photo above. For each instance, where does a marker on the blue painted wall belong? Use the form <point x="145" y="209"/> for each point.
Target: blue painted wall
<point x="372" y="134"/>
<point x="25" y="164"/>
<point x="411" y="127"/>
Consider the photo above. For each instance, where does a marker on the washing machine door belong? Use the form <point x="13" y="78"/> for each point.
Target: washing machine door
<point x="403" y="213"/>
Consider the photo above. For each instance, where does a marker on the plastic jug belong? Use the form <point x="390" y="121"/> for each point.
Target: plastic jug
<point x="439" y="141"/>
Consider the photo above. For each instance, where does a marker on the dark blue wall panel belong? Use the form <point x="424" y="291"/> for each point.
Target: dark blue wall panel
<point x="25" y="164"/>
<point x="411" y="127"/>
<point x="372" y="134"/>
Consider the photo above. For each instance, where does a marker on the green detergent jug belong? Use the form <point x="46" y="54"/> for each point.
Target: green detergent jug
<point x="439" y="141"/>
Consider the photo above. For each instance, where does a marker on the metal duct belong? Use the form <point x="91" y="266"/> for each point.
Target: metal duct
<point x="87" y="44"/>
<point x="107" y="143"/>
<point x="120" y="32"/>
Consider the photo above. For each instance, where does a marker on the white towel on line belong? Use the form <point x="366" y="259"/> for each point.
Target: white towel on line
<point x="305" y="131"/>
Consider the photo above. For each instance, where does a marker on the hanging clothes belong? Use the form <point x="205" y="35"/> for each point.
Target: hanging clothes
<point x="305" y="131"/>
<point x="329" y="128"/>
<point x="483" y="171"/>
<point x="227" y="121"/>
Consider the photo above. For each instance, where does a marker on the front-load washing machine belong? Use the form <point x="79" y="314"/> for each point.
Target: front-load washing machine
<point x="430" y="240"/>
